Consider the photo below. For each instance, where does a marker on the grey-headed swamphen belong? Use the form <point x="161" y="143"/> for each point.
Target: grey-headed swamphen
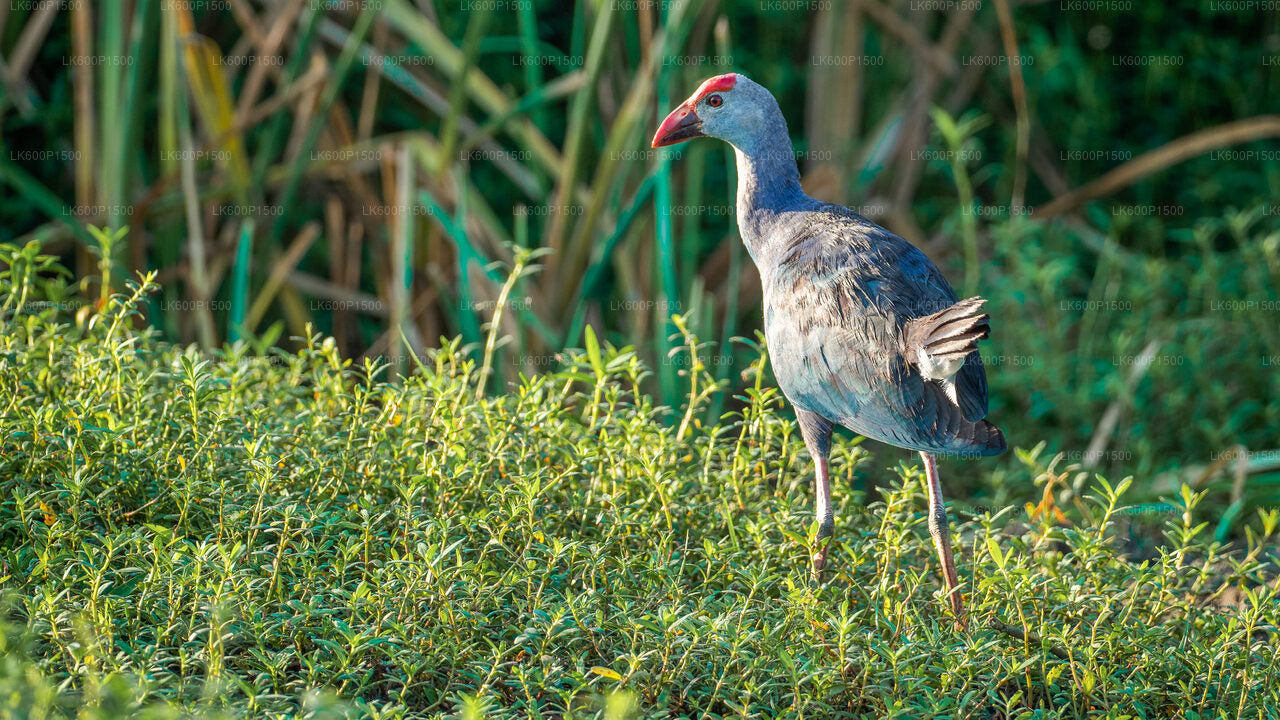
<point x="863" y="330"/>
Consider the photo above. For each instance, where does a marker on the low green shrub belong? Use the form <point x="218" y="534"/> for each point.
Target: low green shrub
<point x="254" y="533"/>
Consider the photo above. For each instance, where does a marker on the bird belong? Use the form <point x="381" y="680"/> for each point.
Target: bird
<point x="862" y="328"/>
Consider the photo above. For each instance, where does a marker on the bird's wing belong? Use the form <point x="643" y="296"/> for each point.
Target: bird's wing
<point x="837" y="299"/>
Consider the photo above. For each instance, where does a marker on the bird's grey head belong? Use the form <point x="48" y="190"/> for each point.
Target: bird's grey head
<point x="730" y="107"/>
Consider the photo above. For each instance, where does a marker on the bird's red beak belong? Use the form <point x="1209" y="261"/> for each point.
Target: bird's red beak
<point x="682" y="124"/>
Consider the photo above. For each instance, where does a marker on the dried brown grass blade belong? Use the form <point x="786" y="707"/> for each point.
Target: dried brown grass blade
<point x="937" y="58"/>
<point x="1167" y="155"/>
<point x="267" y="48"/>
<point x="1019" y="90"/>
<point x="279" y="272"/>
<point x="24" y="53"/>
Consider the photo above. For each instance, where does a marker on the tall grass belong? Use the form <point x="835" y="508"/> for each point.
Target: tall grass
<point x="298" y="110"/>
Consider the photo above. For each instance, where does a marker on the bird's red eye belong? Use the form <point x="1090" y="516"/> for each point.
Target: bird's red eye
<point x="715" y="101"/>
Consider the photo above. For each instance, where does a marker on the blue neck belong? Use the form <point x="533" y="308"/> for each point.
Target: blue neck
<point x="768" y="188"/>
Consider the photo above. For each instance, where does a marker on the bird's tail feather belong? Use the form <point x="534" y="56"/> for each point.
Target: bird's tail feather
<point x="953" y="433"/>
<point x="987" y="439"/>
<point x="950" y="334"/>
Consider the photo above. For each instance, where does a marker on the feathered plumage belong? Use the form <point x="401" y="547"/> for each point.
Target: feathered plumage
<point x="863" y="329"/>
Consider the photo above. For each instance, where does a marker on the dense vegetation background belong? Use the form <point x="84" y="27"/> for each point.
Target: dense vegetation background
<point x="378" y="172"/>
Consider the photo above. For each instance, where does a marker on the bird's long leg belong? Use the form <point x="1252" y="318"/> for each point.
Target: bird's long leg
<point x="940" y="531"/>
<point x="825" y="514"/>
<point x="816" y="431"/>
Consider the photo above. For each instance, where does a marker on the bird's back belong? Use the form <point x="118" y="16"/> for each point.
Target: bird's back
<point x="839" y="294"/>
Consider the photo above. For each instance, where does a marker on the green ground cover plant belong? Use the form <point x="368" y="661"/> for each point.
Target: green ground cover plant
<point x="250" y="532"/>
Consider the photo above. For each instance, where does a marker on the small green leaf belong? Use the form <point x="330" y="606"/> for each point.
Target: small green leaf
<point x="606" y="672"/>
<point x="994" y="549"/>
<point x="593" y="351"/>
